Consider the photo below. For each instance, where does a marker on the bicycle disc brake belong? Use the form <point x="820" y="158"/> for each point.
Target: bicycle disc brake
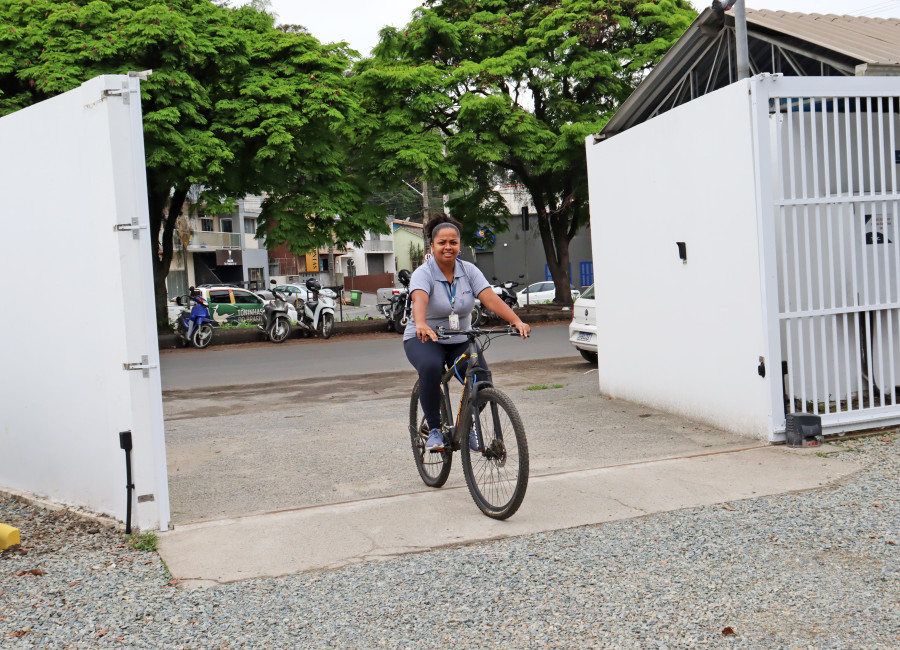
<point x="496" y="452"/>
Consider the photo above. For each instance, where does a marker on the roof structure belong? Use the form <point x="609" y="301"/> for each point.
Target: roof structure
<point x="407" y="225"/>
<point x="780" y="42"/>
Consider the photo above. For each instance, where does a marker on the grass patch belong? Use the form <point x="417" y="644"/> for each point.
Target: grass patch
<point x="544" y="386"/>
<point x="143" y="542"/>
<point x="239" y="326"/>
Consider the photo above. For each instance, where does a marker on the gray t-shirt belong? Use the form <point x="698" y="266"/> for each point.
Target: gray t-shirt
<point x="468" y="282"/>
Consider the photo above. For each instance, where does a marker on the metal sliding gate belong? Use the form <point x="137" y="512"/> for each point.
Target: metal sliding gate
<point x="830" y="246"/>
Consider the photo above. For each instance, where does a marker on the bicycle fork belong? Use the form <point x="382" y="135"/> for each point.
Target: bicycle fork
<point x="476" y="378"/>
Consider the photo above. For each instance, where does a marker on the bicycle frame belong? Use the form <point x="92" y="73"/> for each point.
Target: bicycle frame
<point x="476" y="378"/>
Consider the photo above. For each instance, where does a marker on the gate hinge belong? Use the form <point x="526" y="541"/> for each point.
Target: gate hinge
<point x="125" y="92"/>
<point x="133" y="227"/>
<point x="144" y="365"/>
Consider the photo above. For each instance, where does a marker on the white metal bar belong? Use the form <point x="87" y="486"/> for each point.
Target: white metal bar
<point x="886" y="254"/>
<point x="820" y="261"/>
<point x="765" y="137"/>
<point x="872" y="86"/>
<point x="824" y="200"/>
<point x="832" y="311"/>
<point x="893" y="143"/>
<point x="855" y="295"/>
<point x="836" y="423"/>
<point x="834" y="319"/>
<point x="795" y="256"/>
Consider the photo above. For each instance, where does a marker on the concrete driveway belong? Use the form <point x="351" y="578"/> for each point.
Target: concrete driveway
<point x="318" y="473"/>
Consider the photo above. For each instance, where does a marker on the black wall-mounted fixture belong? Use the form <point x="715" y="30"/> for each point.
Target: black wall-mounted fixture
<point x="524" y="217"/>
<point x="125" y="443"/>
<point x="682" y="251"/>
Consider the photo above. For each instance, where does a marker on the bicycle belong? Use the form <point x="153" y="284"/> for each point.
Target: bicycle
<point x="497" y="476"/>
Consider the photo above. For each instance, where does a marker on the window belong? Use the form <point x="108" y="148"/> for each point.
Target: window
<point x="323" y="264"/>
<point x="255" y="276"/>
<point x="206" y="225"/>
<point x="246" y="298"/>
<point x="249" y="226"/>
<point x="220" y="297"/>
<point x="225" y="225"/>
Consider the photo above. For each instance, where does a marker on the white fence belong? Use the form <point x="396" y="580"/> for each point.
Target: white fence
<point x="72" y="171"/>
<point x="829" y="203"/>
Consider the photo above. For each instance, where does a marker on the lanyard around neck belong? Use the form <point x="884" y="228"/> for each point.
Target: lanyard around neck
<point x="451" y="293"/>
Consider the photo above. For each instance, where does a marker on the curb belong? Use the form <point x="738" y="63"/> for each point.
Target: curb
<point x="254" y="335"/>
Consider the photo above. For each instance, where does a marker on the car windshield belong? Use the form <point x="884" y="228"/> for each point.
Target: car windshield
<point x="588" y="293"/>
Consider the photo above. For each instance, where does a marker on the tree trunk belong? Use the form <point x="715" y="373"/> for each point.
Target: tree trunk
<point x="555" y="239"/>
<point x="164" y="210"/>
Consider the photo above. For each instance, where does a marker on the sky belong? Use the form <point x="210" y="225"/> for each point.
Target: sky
<point x="359" y="21"/>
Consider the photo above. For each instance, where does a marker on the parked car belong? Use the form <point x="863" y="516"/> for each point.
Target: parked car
<point x="295" y="294"/>
<point x="230" y="305"/>
<point x="541" y="292"/>
<point x="583" y="328"/>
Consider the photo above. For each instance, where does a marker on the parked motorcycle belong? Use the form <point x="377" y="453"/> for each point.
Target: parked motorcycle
<point x="194" y="324"/>
<point x="317" y="313"/>
<point x="399" y="310"/>
<point x="276" y="321"/>
<point x="481" y="314"/>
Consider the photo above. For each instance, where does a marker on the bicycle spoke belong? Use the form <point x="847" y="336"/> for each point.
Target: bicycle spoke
<point x="498" y="475"/>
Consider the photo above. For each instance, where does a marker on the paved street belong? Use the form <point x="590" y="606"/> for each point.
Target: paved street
<point x="341" y="355"/>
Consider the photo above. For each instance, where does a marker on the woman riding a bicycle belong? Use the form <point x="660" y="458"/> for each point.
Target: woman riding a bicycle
<point x="443" y="292"/>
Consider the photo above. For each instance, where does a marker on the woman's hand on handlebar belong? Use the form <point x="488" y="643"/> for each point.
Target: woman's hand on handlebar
<point x="524" y="329"/>
<point x="423" y="333"/>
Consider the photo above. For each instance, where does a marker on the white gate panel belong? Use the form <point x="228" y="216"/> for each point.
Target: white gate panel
<point x="72" y="169"/>
<point x="831" y="225"/>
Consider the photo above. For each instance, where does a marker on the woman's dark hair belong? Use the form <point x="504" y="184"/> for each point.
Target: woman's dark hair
<point x="435" y="222"/>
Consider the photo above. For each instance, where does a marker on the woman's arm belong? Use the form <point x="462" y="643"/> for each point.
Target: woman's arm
<point x="495" y="303"/>
<point x="419" y="310"/>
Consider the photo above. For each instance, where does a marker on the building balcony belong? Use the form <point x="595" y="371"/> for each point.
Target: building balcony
<point x="378" y="246"/>
<point x="201" y="240"/>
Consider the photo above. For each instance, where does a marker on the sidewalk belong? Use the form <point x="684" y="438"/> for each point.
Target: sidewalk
<point x="332" y="536"/>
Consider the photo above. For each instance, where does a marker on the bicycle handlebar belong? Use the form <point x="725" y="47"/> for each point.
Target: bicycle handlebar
<point x="509" y="330"/>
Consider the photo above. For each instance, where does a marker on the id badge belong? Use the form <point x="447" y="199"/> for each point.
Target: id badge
<point x="454" y="321"/>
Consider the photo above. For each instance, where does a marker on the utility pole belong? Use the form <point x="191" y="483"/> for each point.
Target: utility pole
<point x="740" y="37"/>
<point x="426" y="210"/>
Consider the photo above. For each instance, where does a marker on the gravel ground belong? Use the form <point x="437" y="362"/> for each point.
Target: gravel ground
<point x="818" y="569"/>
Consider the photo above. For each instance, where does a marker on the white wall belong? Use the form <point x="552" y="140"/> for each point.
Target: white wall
<point x="72" y="168"/>
<point x="684" y="338"/>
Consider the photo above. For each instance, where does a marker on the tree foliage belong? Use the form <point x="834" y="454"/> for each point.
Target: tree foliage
<point x="474" y="91"/>
<point x="233" y="105"/>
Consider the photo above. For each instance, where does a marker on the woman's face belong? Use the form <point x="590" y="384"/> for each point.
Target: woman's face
<point x="445" y="244"/>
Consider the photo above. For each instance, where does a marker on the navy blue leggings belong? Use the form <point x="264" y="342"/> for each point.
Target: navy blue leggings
<point x="429" y="360"/>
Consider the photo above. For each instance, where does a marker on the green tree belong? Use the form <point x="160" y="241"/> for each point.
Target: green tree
<point x="473" y="92"/>
<point x="234" y="106"/>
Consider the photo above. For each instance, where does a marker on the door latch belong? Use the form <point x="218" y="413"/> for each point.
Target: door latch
<point x="133" y="227"/>
<point x="144" y="365"/>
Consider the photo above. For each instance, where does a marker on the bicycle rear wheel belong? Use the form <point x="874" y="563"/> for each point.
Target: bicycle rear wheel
<point x="497" y="476"/>
<point x="434" y="467"/>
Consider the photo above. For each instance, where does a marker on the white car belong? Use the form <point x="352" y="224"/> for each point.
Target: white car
<point x="541" y="292"/>
<point x="295" y="294"/>
<point x="583" y="328"/>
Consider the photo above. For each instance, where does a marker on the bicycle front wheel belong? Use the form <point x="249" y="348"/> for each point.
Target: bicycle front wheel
<point x="497" y="475"/>
<point x="434" y="467"/>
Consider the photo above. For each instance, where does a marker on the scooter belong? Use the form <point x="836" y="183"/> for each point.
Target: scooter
<point x="317" y="313"/>
<point x="194" y="325"/>
<point x="399" y="310"/>
<point x="481" y="314"/>
<point x="276" y="321"/>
